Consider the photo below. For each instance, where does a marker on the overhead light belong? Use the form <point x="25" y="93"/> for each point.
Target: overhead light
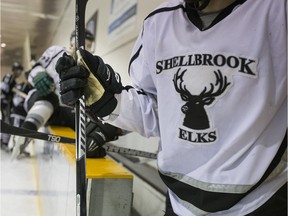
<point x="3" y="45"/>
<point x="44" y="16"/>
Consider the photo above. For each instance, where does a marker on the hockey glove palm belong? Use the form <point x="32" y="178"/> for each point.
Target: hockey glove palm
<point x="43" y="83"/>
<point x="98" y="134"/>
<point x="91" y="77"/>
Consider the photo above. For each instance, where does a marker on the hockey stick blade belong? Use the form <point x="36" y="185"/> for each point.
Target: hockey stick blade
<point x="8" y="129"/>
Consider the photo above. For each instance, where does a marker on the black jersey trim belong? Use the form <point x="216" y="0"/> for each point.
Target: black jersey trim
<point x="39" y="63"/>
<point x="53" y="58"/>
<point x="133" y="58"/>
<point x="140" y="92"/>
<point x="195" y="18"/>
<point x="216" y="201"/>
<point x="36" y="64"/>
<point x="165" y="9"/>
<point x="160" y="10"/>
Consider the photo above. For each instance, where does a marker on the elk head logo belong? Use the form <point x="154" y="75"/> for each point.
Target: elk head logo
<point x="195" y="113"/>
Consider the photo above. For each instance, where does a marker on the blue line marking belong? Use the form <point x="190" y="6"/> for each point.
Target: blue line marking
<point x="36" y="193"/>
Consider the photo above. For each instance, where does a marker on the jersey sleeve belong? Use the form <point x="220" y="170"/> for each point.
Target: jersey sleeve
<point x="278" y="55"/>
<point x="137" y="105"/>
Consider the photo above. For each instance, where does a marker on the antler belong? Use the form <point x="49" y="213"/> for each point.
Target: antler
<point x="222" y="85"/>
<point x="179" y="86"/>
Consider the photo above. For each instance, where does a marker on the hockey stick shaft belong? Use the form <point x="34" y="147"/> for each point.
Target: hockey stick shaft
<point x="128" y="151"/>
<point x="18" y="92"/>
<point x="80" y="118"/>
<point x="8" y="129"/>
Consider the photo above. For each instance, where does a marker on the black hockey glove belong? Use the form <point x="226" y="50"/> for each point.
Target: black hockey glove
<point x="97" y="134"/>
<point x="91" y="77"/>
<point x="73" y="79"/>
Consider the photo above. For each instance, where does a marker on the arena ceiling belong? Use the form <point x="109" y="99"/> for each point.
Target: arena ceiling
<point x="37" y="19"/>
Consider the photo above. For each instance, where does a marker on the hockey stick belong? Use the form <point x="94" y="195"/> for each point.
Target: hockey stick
<point x="80" y="118"/>
<point x="8" y="129"/>
<point x="18" y="92"/>
<point x="132" y="152"/>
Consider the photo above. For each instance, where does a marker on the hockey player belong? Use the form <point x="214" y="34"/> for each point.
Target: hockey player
<point x="43" y="104"/>
<point x="20" y="91"/>
<point x="8" y="83"/>
<point x="18" y="112"/>
<point x="222" y="129"/>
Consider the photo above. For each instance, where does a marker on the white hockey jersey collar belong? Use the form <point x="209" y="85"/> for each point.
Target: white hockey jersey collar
<point x="195" y="18"/>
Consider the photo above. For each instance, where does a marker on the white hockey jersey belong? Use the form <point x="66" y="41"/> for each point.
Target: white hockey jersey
<point x="217" y="99"/>
<point x="47" y="62"/>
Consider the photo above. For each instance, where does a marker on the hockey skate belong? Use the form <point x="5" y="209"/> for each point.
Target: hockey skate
<point x="20" y="144"/>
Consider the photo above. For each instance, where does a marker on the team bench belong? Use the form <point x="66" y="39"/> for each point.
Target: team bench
<point x="109" y="185"/>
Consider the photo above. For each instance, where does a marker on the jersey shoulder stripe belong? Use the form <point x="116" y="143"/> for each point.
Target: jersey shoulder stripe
<point x="160" y="9"/>
<point x="165" y="9"/>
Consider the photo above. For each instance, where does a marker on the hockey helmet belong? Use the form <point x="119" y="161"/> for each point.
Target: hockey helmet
<point x="88" y="35"/>
<point x="17" y="69"/>
<point x="197" y="4"/>
<point x="89" y="41"/>
<point x="16" y="66"/>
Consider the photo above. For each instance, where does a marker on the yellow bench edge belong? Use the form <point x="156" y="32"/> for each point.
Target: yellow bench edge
<point x="95" y="167"/>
